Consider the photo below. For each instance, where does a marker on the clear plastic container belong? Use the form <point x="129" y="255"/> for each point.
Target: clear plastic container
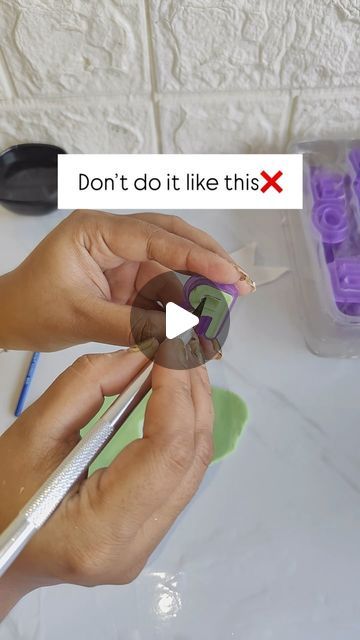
<point x="325" y="247"/>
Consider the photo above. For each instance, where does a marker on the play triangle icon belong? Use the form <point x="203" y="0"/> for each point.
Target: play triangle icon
<point x="178" y="320"/>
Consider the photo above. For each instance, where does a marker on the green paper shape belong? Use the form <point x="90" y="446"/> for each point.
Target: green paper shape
<point x="230" y="417"/>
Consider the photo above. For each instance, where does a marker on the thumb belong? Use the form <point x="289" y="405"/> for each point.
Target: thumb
<point x="78" y="393"/>
<point x="112" y="323"/>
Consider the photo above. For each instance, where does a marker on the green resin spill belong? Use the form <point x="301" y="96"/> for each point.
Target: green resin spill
<point x="230" y="417"/>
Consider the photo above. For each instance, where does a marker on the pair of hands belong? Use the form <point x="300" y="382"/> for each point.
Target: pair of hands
<point x="78" y="285"/>
<point x="80" y="282"/>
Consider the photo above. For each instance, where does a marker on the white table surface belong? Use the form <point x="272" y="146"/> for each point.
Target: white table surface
<point x="269" y="548"/>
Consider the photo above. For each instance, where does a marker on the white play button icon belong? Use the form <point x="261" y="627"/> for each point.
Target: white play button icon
<point x="178" y="320"/>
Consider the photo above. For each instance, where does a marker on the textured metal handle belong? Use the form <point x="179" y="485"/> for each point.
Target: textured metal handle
<point x="70" y="470"/>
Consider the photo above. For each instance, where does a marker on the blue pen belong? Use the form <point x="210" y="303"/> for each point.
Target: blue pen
<point x="27" y="383"/>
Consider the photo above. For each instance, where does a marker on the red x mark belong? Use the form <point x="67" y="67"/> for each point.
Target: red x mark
<point x="271" y="182"/>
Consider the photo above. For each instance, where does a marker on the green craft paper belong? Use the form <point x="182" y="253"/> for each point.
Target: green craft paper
<point x="230" y="417"/>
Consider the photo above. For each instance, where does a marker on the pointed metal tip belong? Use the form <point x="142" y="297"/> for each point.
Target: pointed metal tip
<point x="199" y="309"/>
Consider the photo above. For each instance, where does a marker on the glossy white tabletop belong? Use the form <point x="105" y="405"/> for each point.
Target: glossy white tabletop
<point x="268" y="549"/>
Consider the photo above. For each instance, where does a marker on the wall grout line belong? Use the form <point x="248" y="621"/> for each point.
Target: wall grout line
<point x="217" y="93"/>
<point x="176" y="95"/>
<point x="294" y="95"/>
<point x="153" y="77"/>
<point x="8" y="79"/>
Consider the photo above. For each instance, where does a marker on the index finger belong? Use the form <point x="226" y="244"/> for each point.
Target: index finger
<point x="180" y="227"/>
<point x="129" y="238"/>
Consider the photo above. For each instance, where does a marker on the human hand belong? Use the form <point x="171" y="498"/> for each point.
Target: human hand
<point x="78" y="285"/>
<point x="105" y="529"/>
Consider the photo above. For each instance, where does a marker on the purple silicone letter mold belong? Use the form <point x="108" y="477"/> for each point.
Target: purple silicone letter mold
<point x="327" y="186"/>
<point x="331" y="220"/>
<point x="345" y="279"/>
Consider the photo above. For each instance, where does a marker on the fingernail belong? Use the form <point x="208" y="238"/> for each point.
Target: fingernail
<point x="181" y="352"/>
<point x="246" y="282"/>
<point x="148" y="347"/>
<point x="217" y="349"/>
<point x="245" y="287"/>
<point x="251" y="284"/>
<point x="195" y="349"/>
<point x="243" y="274"/>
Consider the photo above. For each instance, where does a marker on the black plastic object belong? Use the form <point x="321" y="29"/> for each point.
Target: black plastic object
<point x="28" y="178"/>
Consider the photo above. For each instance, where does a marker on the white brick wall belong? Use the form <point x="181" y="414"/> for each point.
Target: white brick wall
<point x="178" y="75"/>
